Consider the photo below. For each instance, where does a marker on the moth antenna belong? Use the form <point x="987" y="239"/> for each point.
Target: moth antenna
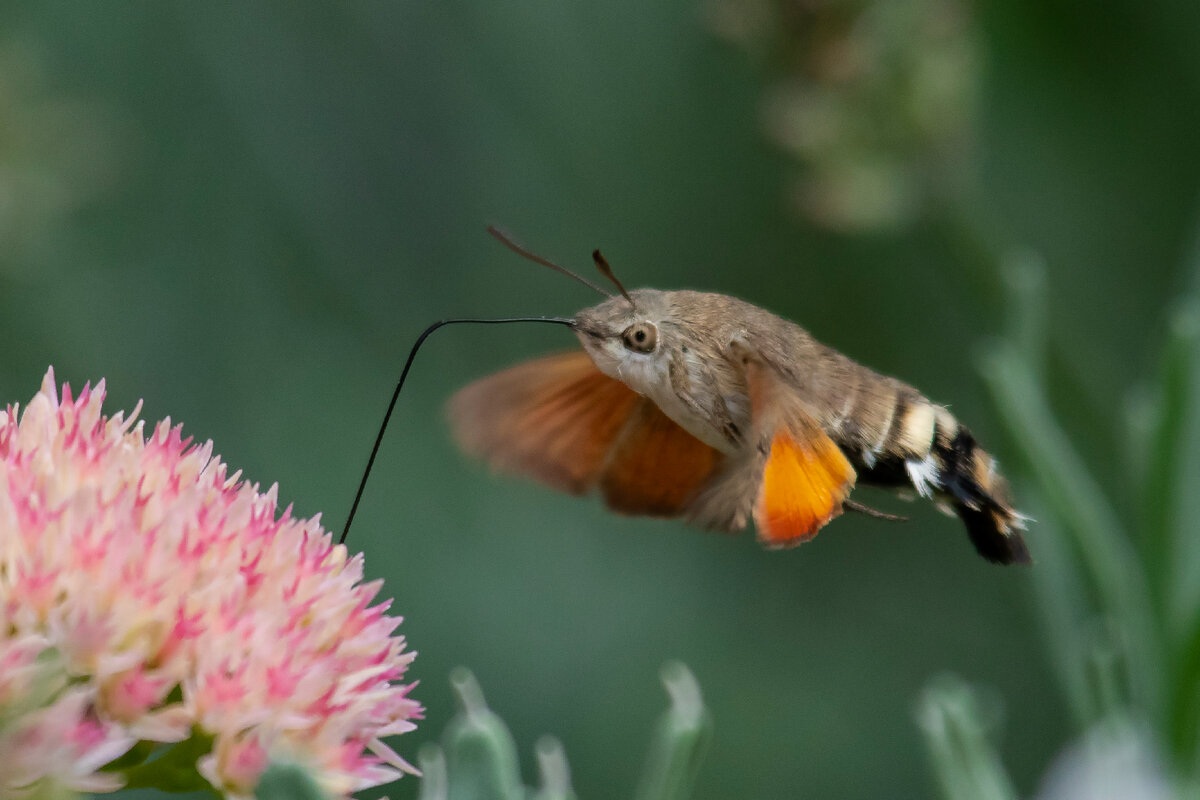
<point x="607" y="271"/>
<point x="400" y="385"/>
<point x="511" y="244"/>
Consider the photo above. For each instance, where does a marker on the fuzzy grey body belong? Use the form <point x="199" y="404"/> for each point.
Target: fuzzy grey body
<point x="695" y="378"/>
<point x="891" y="433"/>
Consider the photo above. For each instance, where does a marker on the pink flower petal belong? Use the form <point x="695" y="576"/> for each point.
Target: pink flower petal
<point x="145" y="592"/>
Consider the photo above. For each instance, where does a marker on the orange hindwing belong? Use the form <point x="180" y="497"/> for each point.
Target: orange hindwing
<point x="805" y="481"/>
<point x="806" y="477"/>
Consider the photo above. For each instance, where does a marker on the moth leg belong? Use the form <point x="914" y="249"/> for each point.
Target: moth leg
<point x="850" y="505"/>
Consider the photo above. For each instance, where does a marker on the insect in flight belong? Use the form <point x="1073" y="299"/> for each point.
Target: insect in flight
<point x="705" y="407"/>
<point x="702" y="406"/>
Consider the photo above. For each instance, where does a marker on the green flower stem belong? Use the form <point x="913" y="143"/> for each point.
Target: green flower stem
<point x="1082" y="511"/>
<point x="556" y="775"/>
<point x="965" y="762"/>
<point x="1173" y="429"/>
<point x="1106" y="660"/>
<point x="1163" y="530"/>
<point x="1024" y="275"/>
<point x="434" y="783"/>
<point x="679" y="739"/>
<point x="1184" y="709"/>
<point x="481" y="756"/>
<point x="1063" y="604"/>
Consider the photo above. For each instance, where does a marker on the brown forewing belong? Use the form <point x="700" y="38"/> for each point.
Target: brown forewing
<point x="554" y="419"/>
<point x="656" y="467"/>
<point x="561" y="421"/>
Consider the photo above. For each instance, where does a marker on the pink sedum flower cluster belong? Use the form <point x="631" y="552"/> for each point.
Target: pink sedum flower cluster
<point x="148" y="596"/>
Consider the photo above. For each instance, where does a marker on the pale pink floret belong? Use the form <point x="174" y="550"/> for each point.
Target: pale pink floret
<point x="145" y="593"/>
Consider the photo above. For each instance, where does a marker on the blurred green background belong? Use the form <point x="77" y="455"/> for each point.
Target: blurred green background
<point x="244" y="214"/>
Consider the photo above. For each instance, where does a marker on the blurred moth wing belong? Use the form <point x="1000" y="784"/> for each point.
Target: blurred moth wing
<point x="561" y="421"/>
<point x="655" y="467"/>
<point x="554" y="419"/>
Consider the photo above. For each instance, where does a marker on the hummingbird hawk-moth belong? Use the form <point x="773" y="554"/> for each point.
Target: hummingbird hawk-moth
<point x="704" y="407"/>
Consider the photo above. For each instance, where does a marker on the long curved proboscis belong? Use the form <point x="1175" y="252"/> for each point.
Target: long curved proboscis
<point x="400" y="385"/>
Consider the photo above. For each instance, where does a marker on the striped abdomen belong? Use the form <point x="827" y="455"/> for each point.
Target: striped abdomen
<point x="896" y="438"/>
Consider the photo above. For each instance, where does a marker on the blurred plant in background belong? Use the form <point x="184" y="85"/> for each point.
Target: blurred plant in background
<point x="875" y="100"/>
<point x="478" y="757"/>
<point x="56" y="153"/>
<point x="1117" y="596"/>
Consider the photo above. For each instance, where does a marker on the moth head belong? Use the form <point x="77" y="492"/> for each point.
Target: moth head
<point x="626" y="340"/>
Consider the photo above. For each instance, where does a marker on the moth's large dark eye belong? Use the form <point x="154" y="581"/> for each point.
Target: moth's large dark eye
<point x="640" y="337"/>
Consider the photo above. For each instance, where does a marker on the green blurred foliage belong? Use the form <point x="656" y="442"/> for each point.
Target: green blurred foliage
<point x="247" y="211"/>
<point x="478" y="757"/>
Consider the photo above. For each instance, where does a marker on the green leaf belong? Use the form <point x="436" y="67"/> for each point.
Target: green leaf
<point x="966" y="764"/>
<point x="1083" y="512"/>
<point x="1184" y="722"/>
<point x="481" y="756"/>
<point x="288" y="782"/>
<point x="1175" y="406"/>
<point x="1064" y="608"/>
<point x="175" y="769"/>
<point x="556" y="775"/>
<point x="679" y="739"/>
<point x="434" y="783"/>
<point x="1024" y="275"/>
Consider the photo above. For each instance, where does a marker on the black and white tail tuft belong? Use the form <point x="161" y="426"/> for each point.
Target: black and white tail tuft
<point x="980" y="496"/>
